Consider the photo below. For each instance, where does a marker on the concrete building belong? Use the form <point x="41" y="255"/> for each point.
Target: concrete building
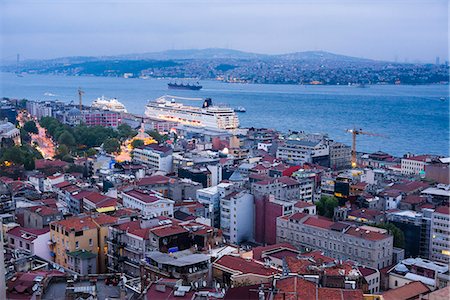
<point x="301" y="151"/>
<point x="101" y="118"/>
<point x="40" y="216"/>
<point x="190" y="268"/>
<point x="9" y="131"/>
<point x="417" y="269"/>
<point x="440" y="232"/>
<point x="88" y="233"/>
<point x="283" y="188"/>
<point x="237" y="217"/>
<point x="210" y="198"/>
<point x="340" y="156"/>
<point x="372" y="276"/>
<point x="33" y="241"/>
<point x="415" y="165"/>
<point x="155" y="156"/>
<point x="370" y="246"/>
<point x="267" y="210"/>
<point x="416" y="228"/>
<point x="149" y="203"/>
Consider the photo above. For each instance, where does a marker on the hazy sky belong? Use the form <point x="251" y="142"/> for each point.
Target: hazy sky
<point x="380" y="29"/>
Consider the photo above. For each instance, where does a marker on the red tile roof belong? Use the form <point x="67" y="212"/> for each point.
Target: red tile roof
<point x="367" y="234"/>
<point x="42" y="210"/>
<point x="366" y="271"/>
<point x="239" y="265"/>
<point x="414" y="199"/>
<point x="303" y="204"/>
<point x="258" y="251"/>
<point x="31" y="233"/>
<point x="168" y="230"/>
<point x="46" y="163"/>
<point x="443" y="210"/>
<point x="408" y="291"/>
<point x="318" y="222"/>
<point x="156" y="179"/>
<point x="318" y="257"/>
<point x="143" y="196"/>
<point x="422" y="158"/>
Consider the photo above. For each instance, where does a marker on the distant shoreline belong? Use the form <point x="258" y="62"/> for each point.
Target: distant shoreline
<point x="228" y="82"/>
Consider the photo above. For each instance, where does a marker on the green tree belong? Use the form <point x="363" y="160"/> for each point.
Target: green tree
<point x="62" y="150"/>
<point x="137" y="143"/>
<point x="24" y="136"/>
<point x="125" y="131"/>
<point x="7" y="143"/>
<point x="326" y="206"/>
<point x="157" y="136"/>
<point x="91" y="152"/>
<point x="399" y="236"/>
<point x="67" y="158"/>
<point x="28" y="163"/>
<point x="31" y="127"/>
<point x="111" y="145"/>
<point x="66" y="138"/>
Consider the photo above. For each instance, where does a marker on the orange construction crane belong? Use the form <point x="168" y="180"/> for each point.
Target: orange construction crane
<point x="354" y="133"/>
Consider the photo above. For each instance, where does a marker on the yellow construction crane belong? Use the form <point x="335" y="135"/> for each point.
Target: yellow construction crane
<point x="80" y="96"/>
<point x="354" y="133"/>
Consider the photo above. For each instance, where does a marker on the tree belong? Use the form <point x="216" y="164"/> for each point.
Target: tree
<point x="399" y="236"/>
<point x="326" y="206"/>
<point x="157" y="136"/>
<point x="111" y="145"/>
<point x="31" y="127"/>
<point x="24" y="136"/>
<point x="91" y="152"/>
<point x="7" y="143"/>
<point x="125" y="131"/>
<point x="28" y="163"/>
<point x="66" y="138"/>
<point x="62" y="150"/>
<point x="137" y="143"/>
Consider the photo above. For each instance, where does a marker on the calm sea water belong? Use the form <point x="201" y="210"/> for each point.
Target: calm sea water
<point x="412" y="118"/>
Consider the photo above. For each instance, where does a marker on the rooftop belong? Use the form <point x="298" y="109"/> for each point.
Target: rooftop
<point x="239" y="265"/>
<point x="408" y="291"/>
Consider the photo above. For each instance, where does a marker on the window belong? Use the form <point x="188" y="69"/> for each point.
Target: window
<point x="396" y="283"/>
<point x="90" y="242"/>
<point x="77" y="244"/>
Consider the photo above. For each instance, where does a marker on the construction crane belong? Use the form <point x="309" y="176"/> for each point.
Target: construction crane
<point x="80" y="96"/>
<point x="354" y="133"/>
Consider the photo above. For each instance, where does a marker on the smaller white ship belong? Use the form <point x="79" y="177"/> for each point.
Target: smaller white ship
<point x="108" y="104"/>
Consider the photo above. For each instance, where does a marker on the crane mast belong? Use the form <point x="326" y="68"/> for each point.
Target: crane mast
<point x="354" y="133"/>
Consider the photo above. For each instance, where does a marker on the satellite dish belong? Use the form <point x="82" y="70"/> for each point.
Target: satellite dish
<point x="204" y="283"/>
<point x="196" y="284"/>
<point x="218" y="285"/>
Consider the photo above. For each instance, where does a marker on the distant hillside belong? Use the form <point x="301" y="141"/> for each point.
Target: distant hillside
<point x="209" y="53"/>
<point x="321" y="56"/>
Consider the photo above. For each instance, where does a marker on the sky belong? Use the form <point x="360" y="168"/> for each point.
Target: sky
<point x="402" y="30"/>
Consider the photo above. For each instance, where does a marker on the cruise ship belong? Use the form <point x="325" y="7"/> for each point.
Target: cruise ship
<point x="108" y="104"/>
<point x="166" y="108"/>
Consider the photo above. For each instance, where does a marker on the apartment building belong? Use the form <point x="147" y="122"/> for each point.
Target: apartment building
<point x="415" y="165"/>
<point x="237" y="216"/>
<point x="283" y="188"/>
<point x="81" y="233"/>
<point x="301" y="151"/>
<point x="154" y="156"/>
<point x="149" y="203"/>
<point x="440" y="235"/>
<point x="367" y="245"/>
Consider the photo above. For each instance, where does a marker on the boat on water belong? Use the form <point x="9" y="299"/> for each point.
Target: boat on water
<point x="208" y="115"/>
<point x="240" y="109"/>
<point x="111" y="104"/>
<point x="182" y="86"/>
<point x="442" y="98"/>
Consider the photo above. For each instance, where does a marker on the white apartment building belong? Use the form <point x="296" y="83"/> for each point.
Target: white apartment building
<point x="415" y="165"/>
<point x="302" y="150"/>
<point x="155" y="156"/>
<point x="150" y="203"/>
<point x="237" y="217"/>
<point x="210" y="198"/>
<point x="440" y="235"/>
